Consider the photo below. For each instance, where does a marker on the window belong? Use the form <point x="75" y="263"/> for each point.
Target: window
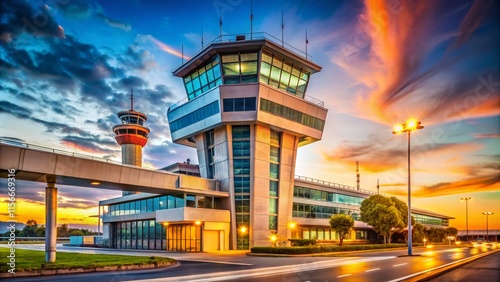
<point x="273" y="206"/>
<point x="196" y="116"/>
<point x="239" y="104"/>
<point x="241" y="132"/>
<point x="242" y="184"/>
<point x="273" y="188"/>
<point x="283" y="75"/>
<point x="291" y="114"/>
<point x="190" y="201"/>
<point x="240" y="68"/>
<point x="210" y="148"/>
<point x="202" y="79"/>
<point x="274" y="154"/>
<point x="273" y="222"/>
<point x="274" y="171"/>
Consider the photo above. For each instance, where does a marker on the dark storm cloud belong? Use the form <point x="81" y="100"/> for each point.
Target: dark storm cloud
<point x="8" y="89"/>
<point x="131" y="82"/>
<point x="75" y="9"/>
<point x="21" y="17"/>
<point x="15" y="110"/>
<point x="26" y="97"/>
<point x="105" y="124"/>
<point x="95" y="143"/>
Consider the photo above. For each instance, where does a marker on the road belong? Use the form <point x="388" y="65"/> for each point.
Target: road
<point x="372" y="266"/>
<point x="486" y="269"/>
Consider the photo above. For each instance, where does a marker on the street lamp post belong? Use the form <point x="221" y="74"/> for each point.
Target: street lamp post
<point x="409" y="126"/>
<point x="487" y="214"/>
<point x="466" y="199"/>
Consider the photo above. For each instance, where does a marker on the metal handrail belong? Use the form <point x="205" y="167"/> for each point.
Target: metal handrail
<point x="334" y="185"/>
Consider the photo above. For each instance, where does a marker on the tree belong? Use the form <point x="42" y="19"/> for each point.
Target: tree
<point x="76" y="232"/>
<point x="29" y="229"/>
<point x="382" y="214"/>
<point x="40" y="231"/>
<point x="451" y="231"/>
<point x="436" y="234"/>
<point x="63" y="230"/>
<point x="342" y="224"/>
<point x="418" y="232"/>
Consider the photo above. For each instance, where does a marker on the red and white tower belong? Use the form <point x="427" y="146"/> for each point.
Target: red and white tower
<point x="132" y="135"/>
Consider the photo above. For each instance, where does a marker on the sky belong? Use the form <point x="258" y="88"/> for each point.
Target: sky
<point x="67" y="67"/>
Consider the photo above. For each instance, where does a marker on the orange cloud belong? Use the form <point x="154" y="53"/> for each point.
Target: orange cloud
<point x="473" y="184"/>
<point x="390" y="57"/>
<point x="167" y="48"/>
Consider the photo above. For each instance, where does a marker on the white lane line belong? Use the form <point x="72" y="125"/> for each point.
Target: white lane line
<point x="451" y="255"/>
<point x="400" y="264"/>
<point x="345" y="275"/>
<point x="369" y="270"/>
<point x="427" y="259"/>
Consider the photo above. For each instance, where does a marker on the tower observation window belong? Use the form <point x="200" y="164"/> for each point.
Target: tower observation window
<point x="203" y="78"/>
<point x="240" y="68"/>
<point x="283" y="75"/>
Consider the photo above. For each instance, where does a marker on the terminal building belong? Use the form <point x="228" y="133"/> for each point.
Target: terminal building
<point x="246" y="113"/>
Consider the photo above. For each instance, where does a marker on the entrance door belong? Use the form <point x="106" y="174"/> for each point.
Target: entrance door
<point x="211" y="240"/>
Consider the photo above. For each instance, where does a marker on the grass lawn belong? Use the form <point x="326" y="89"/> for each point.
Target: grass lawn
<point x="32" y="260"/>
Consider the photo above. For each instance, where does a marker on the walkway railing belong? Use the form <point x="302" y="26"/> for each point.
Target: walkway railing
<point x="334" y="185"/>
<point x="22" y="144"/>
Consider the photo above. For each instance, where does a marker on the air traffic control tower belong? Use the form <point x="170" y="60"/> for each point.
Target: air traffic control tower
<point x="247" y="113"/>
<point x="132" y="136"/>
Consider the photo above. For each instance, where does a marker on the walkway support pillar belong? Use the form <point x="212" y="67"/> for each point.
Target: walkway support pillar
<point x="50" y="222"/>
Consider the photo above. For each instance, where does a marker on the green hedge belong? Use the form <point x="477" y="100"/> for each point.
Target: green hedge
<point x="302" y="242"/>
<point x="321" y="249"/>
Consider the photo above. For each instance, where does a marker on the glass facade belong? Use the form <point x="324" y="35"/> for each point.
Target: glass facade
<point x="196" y="116"/>
<point x="291" y="114"/>
<point x="163" y="202"/>
<point x="240" y="67"/>
<point x="318" y="233"/>
<point x="426" y="219"/>
<point x="316" y="211"/>
<point x="241" y="172"/>
<point x="239" y="104"/>
<point x="184" y="238"/>
<point x="283" y="75"/>
<point x="210" y="149"/>
<point x="318" y="195"/>
<point x="274" y="167"/>
<point x="139" y="234"/>
<point x="203" y="79"/>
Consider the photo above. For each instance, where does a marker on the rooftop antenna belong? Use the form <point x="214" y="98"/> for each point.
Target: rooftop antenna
<point x="201" y="34"/>
<point x="251" y="20"/>
<point x="282" y="30"/>
<point x="131" y="99"/>
<point x="357" y="175"/>
<point x="220" y="24"/>
<point x="307" y="42"/>
<point x="378" y="188"/>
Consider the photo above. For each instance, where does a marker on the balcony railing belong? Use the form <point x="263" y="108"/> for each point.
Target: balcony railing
<point x="334" y="185"/>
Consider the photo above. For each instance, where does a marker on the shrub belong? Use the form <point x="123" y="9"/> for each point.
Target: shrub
<point x="302" y="242"/>
<point x="321" y="249"/>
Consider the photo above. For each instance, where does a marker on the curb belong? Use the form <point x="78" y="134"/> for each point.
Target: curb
<point x="86" y="270"/>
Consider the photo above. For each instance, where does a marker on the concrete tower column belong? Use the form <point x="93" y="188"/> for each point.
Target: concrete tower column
<point x="50" y="222"/>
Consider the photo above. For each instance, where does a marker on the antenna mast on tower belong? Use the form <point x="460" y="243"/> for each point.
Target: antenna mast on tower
<point x="251" y="20"/>
<point x="378" y="188"/>
<point x="131" y="99"/>
<point x="357" y="175"/>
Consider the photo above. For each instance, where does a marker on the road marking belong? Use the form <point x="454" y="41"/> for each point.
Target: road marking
<point x="427" y="259"/>
<point x="451" y="255"/>
<point x="372" y="269"/>
<point x="345" y="275"/>
<point x="214" y="261"/>
<point x="400" y="264"/>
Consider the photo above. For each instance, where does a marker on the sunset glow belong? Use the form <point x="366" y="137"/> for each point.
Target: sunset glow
<point x="386" y="66"/>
